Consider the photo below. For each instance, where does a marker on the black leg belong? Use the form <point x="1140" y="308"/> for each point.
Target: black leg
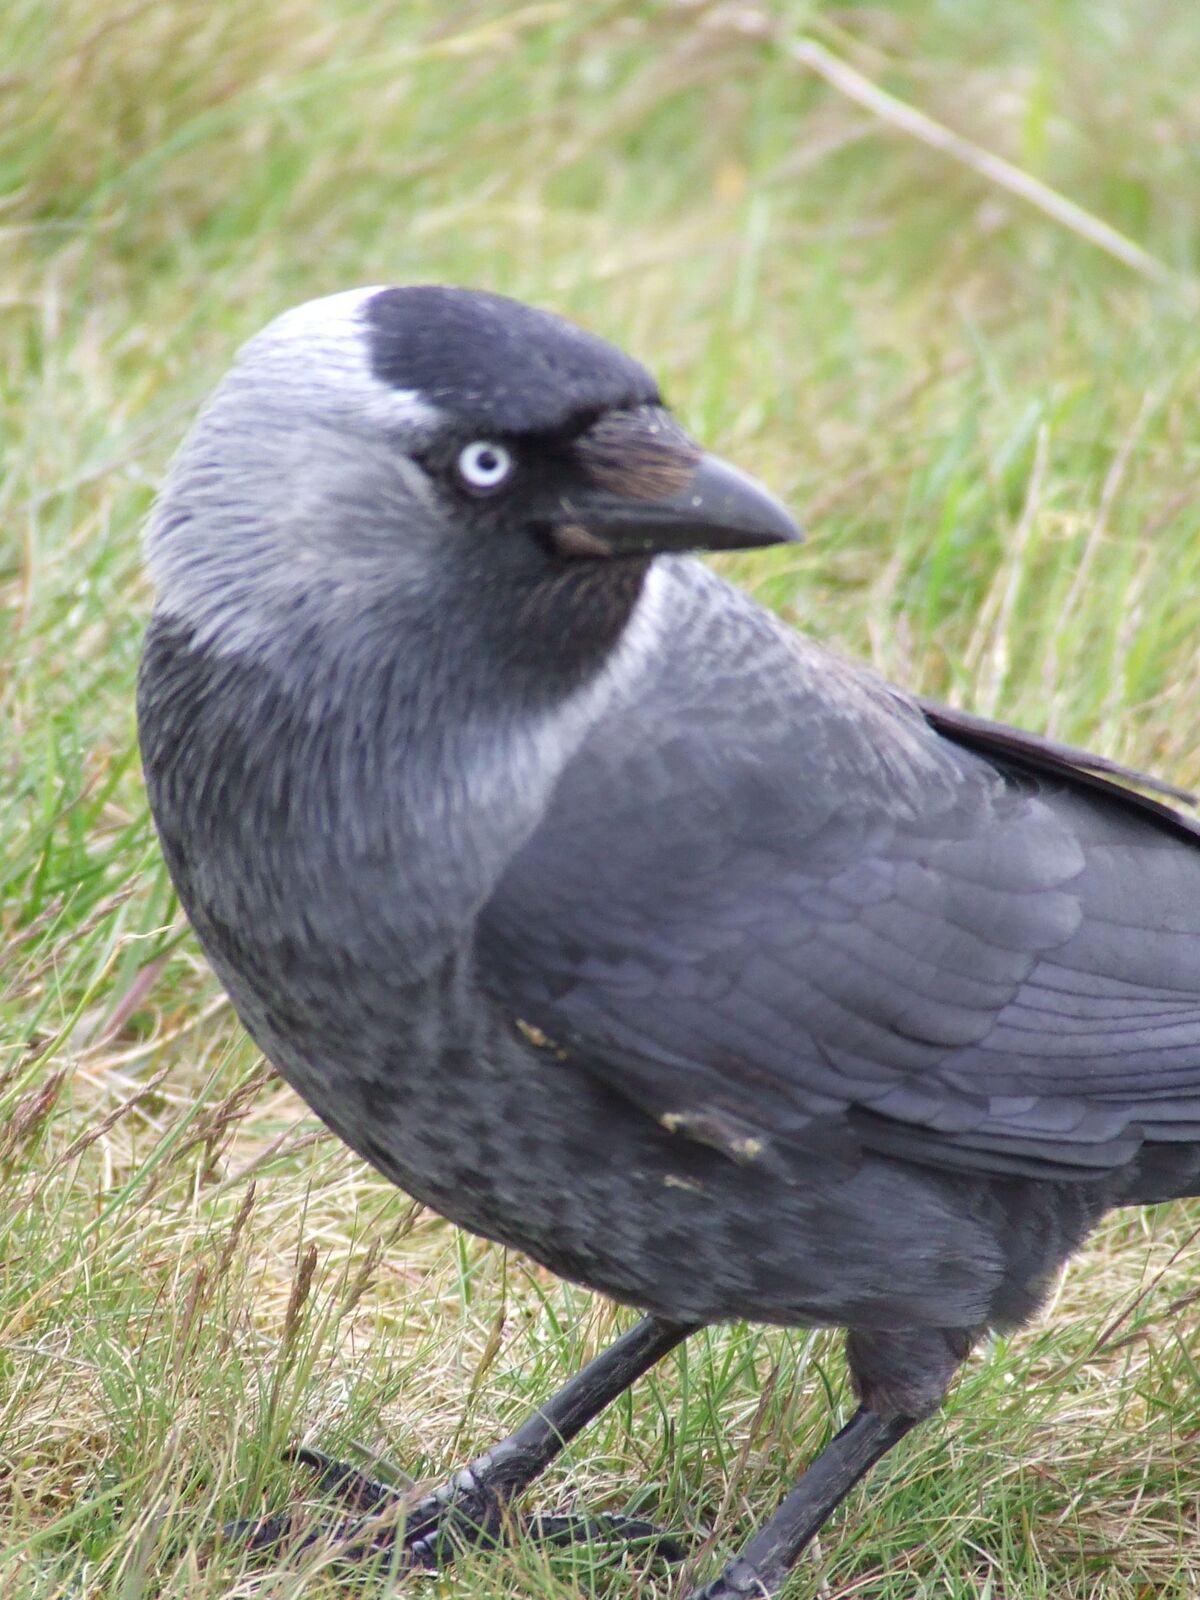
<point x="516" y="1462"/>
<point x="471" y="1506"/>
<point x="774" y="1549"/>
<point x="478" y="1495"/>
<point x="901" y="1376"/>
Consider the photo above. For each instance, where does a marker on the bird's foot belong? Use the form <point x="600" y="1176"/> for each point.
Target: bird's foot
<point x="739" y="1581"/>
<point x="466" y="1512"/>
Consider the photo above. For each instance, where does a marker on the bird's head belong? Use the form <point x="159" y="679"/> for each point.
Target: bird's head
<point x="382" y="452"/>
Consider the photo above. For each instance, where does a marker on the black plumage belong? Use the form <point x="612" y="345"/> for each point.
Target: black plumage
<point x="613" y="919"/>
<point x="495" y="364"/>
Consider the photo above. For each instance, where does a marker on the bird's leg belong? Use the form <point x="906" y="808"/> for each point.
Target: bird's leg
<point x="470" y="1507"/>
<point x="770" y="1555"/>
<point x="474" y="1500"/>
<point x="901" y="1378"/>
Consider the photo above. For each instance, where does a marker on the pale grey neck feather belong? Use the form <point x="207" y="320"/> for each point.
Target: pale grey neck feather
<point x="300" y="438"/>
<point x="489" y="777"/>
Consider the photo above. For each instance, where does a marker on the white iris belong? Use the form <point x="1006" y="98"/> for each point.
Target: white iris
<point x="484" y="465"/>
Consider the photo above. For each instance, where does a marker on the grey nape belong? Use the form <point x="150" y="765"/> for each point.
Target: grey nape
<point x="616" y="921"/>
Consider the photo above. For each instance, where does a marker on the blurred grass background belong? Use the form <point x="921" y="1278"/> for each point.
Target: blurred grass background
<point x="989" y="424"/>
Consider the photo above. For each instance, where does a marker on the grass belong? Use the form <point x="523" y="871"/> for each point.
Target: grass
<point x="991" y="425"/>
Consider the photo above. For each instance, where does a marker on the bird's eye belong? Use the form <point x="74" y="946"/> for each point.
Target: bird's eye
<point x="484" y="466"/>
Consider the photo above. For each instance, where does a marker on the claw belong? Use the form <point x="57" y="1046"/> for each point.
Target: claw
<point x="341" y="1481"/>
<point x="259" y="1535"/>
<point x="576" y="1528"/>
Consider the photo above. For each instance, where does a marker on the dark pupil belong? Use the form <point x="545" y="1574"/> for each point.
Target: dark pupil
<point x="486" y="461"/>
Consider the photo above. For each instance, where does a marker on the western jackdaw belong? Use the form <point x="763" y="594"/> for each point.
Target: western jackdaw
<point x="615" y="920"/>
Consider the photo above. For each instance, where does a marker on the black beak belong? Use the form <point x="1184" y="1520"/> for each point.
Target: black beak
<point x="717" y="508"/>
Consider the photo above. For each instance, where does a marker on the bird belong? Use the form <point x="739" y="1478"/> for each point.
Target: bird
<point x="614" y="919"/>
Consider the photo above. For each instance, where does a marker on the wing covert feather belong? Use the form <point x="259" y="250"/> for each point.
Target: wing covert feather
<point x="783" y="897"/>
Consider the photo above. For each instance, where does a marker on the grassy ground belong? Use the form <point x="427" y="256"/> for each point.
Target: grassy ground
<point x="990" y="421"/>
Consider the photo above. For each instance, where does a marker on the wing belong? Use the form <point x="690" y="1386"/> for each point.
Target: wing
<point x="785" y="909"/>
<point x="1032" y="752"/>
